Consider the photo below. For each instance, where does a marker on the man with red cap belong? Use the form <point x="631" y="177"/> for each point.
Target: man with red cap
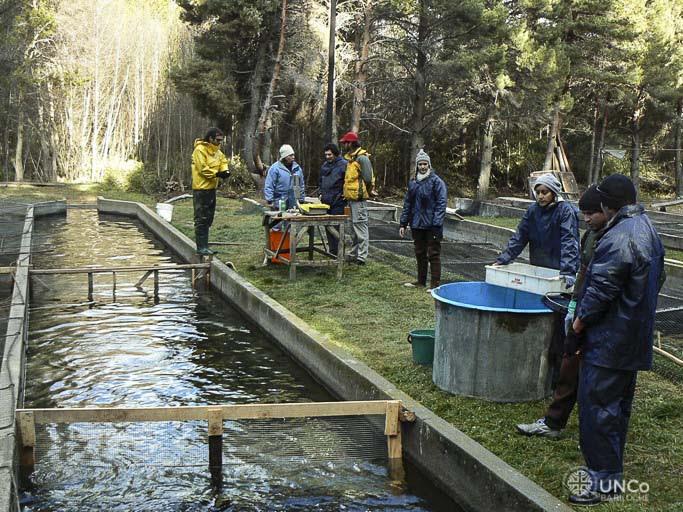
<point x="359" y="183"/>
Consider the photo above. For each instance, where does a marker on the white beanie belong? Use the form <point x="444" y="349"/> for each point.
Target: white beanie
<point x="285" y="151"/>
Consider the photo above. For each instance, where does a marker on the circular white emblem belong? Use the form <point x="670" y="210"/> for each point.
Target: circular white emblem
<point x="578" y="481"/>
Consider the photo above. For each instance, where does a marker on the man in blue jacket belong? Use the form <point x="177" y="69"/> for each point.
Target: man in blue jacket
<point x="615" y="314"/>
<point x="551" y="228"/>
<point x="331" y="185"/>
<point x="424" y="209"/>
<point x="280" y="179"/>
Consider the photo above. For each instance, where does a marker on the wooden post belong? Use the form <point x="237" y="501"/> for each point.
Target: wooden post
<point x="216" y="446"/>
<point x="27" y="432"/>
<point x="113" y="280"/>
<point x="311" y="241"/>
<point x="392" y="429"/>
<point x="293" y="239"/>
<point x="207" y="275"/>
<point x="156" y="285"/>
<point x="194" y="277"/>
<point x="90" y="285"/>
<point x="144" y="278"/>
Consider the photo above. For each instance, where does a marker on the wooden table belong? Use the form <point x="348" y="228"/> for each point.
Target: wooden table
<point x="297" y="225"/>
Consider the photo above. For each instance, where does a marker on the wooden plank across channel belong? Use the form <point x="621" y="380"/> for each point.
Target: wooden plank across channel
<point x="228" y="412"/>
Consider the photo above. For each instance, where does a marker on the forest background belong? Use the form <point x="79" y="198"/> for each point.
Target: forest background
<point x="117" y="90"/>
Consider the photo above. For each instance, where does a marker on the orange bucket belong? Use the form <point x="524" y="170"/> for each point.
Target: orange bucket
<point x="274" y="239"/>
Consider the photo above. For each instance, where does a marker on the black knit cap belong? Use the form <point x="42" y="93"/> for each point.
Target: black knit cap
<point x="616" y="191"/>
<point x="590" y="200"/>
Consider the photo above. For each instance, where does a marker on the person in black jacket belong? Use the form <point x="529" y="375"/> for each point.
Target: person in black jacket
<point x="615" y="316"/>
<point x="331" y="185"/>
<point x="564" y="394"/>
<point x="424" y="209"/>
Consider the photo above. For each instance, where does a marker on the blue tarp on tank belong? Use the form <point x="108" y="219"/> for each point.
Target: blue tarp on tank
<point x="488" y="297"/>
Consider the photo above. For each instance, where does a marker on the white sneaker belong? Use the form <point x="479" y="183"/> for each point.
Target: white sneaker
<point x="538" y="428"/>
<point x="413" y="285"/>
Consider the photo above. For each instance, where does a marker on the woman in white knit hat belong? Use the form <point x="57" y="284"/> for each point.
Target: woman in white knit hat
<point x="280" y="179"/>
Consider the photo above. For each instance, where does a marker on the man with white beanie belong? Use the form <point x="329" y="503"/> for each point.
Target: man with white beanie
<point x="280" y="179"/>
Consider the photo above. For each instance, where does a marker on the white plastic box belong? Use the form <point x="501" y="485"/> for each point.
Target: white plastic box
<point x="528" y="278"/>
<point x="165" y="211"/>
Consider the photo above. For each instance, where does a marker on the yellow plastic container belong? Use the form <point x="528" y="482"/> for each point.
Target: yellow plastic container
<point x="314" y="208"/>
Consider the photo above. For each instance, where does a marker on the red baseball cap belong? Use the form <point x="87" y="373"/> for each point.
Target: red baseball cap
<point x="349" y="137"/>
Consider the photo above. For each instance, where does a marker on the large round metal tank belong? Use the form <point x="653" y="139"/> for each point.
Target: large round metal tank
<point x="491" y="342"/>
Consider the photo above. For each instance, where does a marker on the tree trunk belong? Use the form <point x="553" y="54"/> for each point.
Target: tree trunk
<point x="252" y="118"/>
<point x="19" y="149"/>
<point x="45" y="157"/>
<point x="635" y="122"/>
<point x="266" y="118"/>
<point x="360" y="78"/>
<point x="486" y="153"/>
<point x="594" y="135"/>
<point x="53" y="134"/>
<point x="600" y="156"/>
<point x="678" y="158"/>
<point x="329" y="106"/>
<point x="552" y="137"/>
<point x="5" y="142"/>
<point x="635" y="148"/>
<point x="420" y="88"/>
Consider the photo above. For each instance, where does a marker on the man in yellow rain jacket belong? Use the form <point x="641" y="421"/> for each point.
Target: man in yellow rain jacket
<point x="208" y="165"/>
<point x="359" y="184"/>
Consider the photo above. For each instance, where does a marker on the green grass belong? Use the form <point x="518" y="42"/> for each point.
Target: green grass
<point x="83" y="193"/>
<point x="673" y="254"/>
<point x="370" y="313"/>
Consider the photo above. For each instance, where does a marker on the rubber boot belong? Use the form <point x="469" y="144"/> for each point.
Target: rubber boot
<point x="202" y="240"/>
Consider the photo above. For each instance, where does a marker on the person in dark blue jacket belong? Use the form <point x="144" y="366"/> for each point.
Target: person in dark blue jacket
<point x="331" y="185"/>
<point x="615" y="315"/>
<point x="424" y="209"/>
<point x="551" y="228"/>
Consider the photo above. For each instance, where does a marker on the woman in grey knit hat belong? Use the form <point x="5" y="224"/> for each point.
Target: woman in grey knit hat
<point x="424" y="209"/>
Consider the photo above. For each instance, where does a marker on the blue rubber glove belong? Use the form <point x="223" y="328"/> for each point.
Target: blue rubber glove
<point x="569" y="281"/>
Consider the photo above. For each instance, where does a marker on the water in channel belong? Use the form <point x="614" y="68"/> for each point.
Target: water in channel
<point x="190" y="348"/>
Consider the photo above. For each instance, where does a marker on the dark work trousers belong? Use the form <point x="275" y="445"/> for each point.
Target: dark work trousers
<point x="605" y="398"/>
<point x="564" y="395"/>
<point x="427" y="253"/>
<point x="556" y="350"/>
<point x="333" y="241"/>
<point x="204" y="202"/>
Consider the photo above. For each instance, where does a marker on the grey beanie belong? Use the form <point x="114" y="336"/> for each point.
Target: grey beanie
<point x="551" y="182"/>
<point x="422" y="156"/>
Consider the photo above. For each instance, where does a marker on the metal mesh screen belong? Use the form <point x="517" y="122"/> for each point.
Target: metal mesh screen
<point x="185" y="444"/>
<point x="460" y="261"/>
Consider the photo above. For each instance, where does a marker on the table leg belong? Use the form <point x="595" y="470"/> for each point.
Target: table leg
<point x="267" y="246"/>
<point x="292" y="250"/>
<point x="311" y="240"/>
<point x="340" y="252"/>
